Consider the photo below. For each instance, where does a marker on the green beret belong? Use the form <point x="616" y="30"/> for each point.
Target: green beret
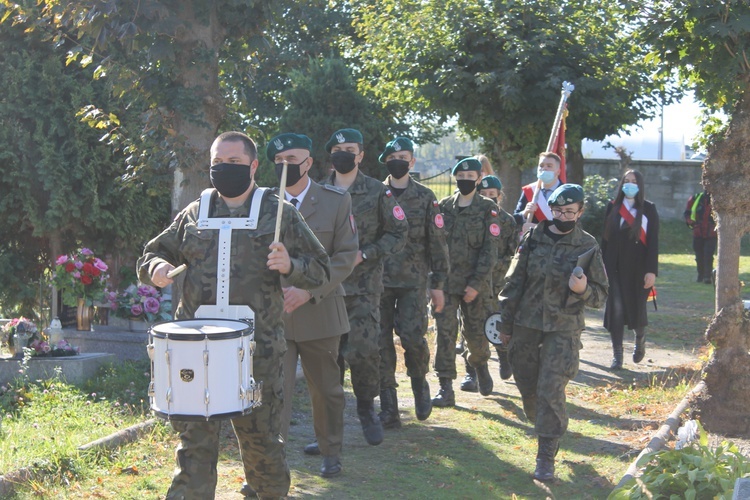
<point x="565" y="195"/>
<point x="490" y="182"/>
<point x="344" y="135"/>
<point x="397" y="144"/>
<point x="467" y="164"/>
<point x="285" y="142"/>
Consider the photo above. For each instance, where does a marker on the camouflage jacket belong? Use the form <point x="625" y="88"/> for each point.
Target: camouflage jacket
<point x="381" y="228"/>
<point x="251" y="282"/>
<point x="426" y="253"/>
<point x="472" y="234"/>
<point x="506" y="248"/>
<point x="537" y="294"/>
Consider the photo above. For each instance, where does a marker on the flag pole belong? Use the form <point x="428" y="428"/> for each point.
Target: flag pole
<point x="565" y="92"/>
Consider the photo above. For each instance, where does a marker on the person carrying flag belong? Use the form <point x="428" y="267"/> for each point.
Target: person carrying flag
<point x="532" y="206"/>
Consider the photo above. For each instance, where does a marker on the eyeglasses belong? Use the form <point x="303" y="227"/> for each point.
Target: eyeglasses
<point x="564" y="214"/>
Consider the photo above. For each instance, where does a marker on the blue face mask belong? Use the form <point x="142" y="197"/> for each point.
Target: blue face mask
<point x="630" y="190"/>
<point x="546" y="176"/>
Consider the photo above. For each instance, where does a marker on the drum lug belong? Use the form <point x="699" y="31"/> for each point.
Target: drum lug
<point x="150" y="350"/>
<point x="205" y="357"/>
<point x="241" y="354"/>
<point x="252" y="347"/>
<point x="169" y="395"/>
<point x="206" y="397"/>
<point x="151" y="391"/>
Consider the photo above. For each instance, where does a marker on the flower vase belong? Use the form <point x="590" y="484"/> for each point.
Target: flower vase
<point x="84" y="315"/>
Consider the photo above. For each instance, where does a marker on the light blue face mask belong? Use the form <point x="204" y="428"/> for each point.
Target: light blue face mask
<point x="546" y="176"/>
<point x="630" y="190"/>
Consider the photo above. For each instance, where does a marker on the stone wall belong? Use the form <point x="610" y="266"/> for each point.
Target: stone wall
<point x="669" y="184"/>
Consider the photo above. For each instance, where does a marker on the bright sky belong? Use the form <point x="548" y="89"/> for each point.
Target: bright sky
<point x="680" y="128"/>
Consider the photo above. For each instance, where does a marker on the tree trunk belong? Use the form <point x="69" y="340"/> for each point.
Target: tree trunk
<point x="510" y="176"/>
<point x="574" y="165"/>
<point x="198" y="77"/>
<point x="724" y="407"/>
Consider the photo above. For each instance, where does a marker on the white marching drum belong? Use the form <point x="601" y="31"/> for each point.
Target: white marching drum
<point x="202" y="369"/>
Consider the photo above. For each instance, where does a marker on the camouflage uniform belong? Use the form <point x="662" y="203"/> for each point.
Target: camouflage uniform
<point x="252" y="284"/>
<point x="472" y="235"/>
<point x="546" y="319"/>
<point x="382" y="229"/>
<point x="403" y="304"/>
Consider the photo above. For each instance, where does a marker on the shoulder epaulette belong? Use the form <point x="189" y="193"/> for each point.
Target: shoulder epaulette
<point x="335" y="189"/>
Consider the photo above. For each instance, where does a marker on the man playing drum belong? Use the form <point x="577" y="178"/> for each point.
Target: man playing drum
<point x="255" y="263"/>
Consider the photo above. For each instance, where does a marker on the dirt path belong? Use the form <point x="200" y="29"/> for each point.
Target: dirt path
<point x="594" y="370"/>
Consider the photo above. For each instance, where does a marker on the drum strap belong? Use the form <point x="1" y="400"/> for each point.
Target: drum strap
<point x="225" y="226"/>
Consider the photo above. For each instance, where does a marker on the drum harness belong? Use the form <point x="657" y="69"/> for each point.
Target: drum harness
<point x="222" y="309"/>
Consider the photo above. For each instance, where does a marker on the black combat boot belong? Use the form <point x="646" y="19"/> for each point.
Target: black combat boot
<point x="389" y="416"/>
<point x="545" y="459"/>
<point x="505" y="369"/>
<point x="422" y="400"/>
<point x="469" y="383"/>
<point x="617" y="359"/>
<point x="371" y="426"/>
<point x="445" y="397"/>
<point x="484" y="379"/>
<point x="639" y="351"/>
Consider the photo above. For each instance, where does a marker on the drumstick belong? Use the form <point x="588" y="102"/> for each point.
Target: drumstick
<point x="282" y="191"/>
<point x="177" y="270"/>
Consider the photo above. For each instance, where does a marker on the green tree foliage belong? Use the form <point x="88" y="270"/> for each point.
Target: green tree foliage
<point x="499" y="67"/>
<point x="59" y="182"/>
<point x="323" y="99"/>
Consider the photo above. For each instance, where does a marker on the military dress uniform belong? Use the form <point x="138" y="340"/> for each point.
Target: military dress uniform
<point x="382" y="229"/>
<point x="314" y="329"/>
<point x="254" y="285"/>
<point x="403" y="305"/>
<point x="471" y="233"/>
<point x="545" y="319"/>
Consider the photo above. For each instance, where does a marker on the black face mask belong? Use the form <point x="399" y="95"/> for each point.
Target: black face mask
<point x="293" y="175"/>
<point x="343" y="161"/>
<point x="564" y="226"/>
<point x="466" y="186"/>
<point x="397" y="168"/>
<point x="230" y="179"/>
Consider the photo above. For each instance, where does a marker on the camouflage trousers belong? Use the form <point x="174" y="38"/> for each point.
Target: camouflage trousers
<point x="543" y="364"/>
<point x="360" y="348"/>
<point x="405" y="311"/>
<point x="472" y="318"/>
<point x="258" y="436"/>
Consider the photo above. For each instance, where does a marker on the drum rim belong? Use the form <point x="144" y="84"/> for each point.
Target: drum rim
<point x="244" y="332"/>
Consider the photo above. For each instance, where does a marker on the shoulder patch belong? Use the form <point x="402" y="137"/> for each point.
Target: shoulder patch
<point x="335" y="189"/>
<point x="434" y="203"/>
<point x="398" y="212"/>
<point x="388" y="193"/>
<point x="439" y="223"/>
<point x="493" y="212"/>
<point x="494" y="229"/>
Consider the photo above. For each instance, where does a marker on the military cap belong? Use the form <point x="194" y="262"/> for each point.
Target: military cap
<point x="490" y="182"/>
<point x="397" y="144"/>
<point x="565" y="195"/>
<point x="285" y="142"/>
<point x="344" y="135"/>
<point x="467" y="164"/>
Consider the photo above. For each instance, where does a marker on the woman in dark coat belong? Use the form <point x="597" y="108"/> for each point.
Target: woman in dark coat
<point x="630" y="247"/>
